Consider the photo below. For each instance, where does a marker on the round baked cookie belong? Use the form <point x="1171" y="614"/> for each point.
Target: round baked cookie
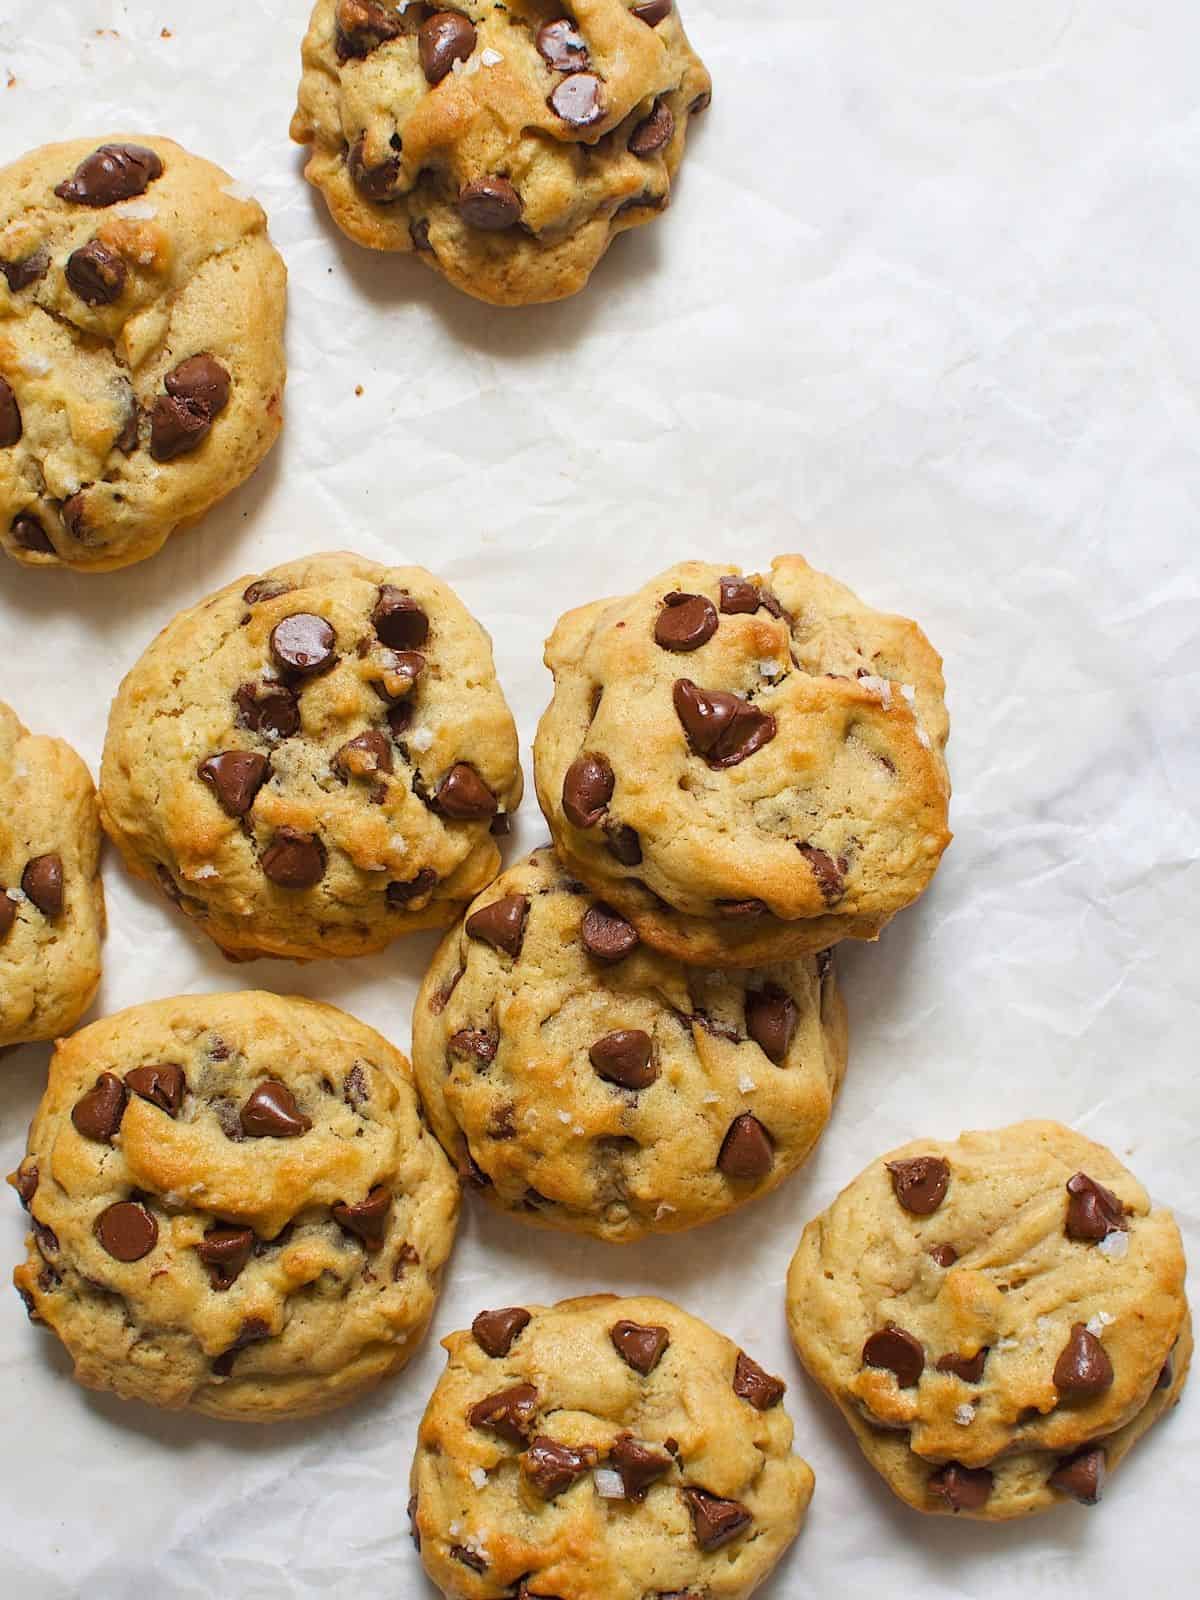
<point x="506" y="145"/>
<point x="141" y="347"/>
<point x="999" y="1318"/>
<point x="314" y="761"/>
<point x="603" y="1449"/>
<point x="236" y="1206"/>
<point x="747" y="768"/>
<point x="51" y="897"/>
<point x="582" y="1080"/>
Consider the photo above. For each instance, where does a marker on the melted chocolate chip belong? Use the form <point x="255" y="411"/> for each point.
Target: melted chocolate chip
<point x="10" y="416"/>
<point x="1081" y="1475"/>
<point x="176" y="427"/>
<point x="715" y="1522"/>
<point x="562" y="46"/>
<point x="252" y="1331"/>
<point x="403" y="894"/>
<point x="896" y="1352"/>
<point x="551" y="1468"/>
<point x="475" y="1044"/>
<point x="747" y="1151"/>
<point x="490" y="204"/>
<point x="97" y="274"/>
<point x="366" y="1219"/>
<point x="127" y="1230"/>
<point x="1083" y="1370"/>
<point x="968" y="1368"/>
<point x="8" y="914"/>
<point x="268" y="708"/>
<point x="225" y="1251"/>
<point x="624" y="843"/>
<point x="98" y="1114"/>
<point x="721" y="727"/>
<point x="294" y="860"/>
<point x="418" y="232"/>
<point x="606" y="934"/>
<point x="376" y="182"/>
<point x="202" y="381"/>
<point x="463" y="796"/>
<point x="235" y="777"/>
<point x="640" y="1346"/>
<point x="362" y="26"/>
<point x="42" y="882"/>
<point x="653" y="133"/>
<point x="28" y="270"/>
<point x="468" y="1558"/>
<point x="304" y="644"/>
<point x="625" y="1057"/>
<point x="271" y="1112"/>
<point x="400" y="622"/>
<point x="28" y="534"/>
<point x="944" y="1254"/>
<point x="26" y="1184"/>
<point x="111" y="173"/>
<point x="265" y="589"/>
<point x="587" y="789"/>
<point x="501" y="924"/>
<point x="739" y="597"/>
<point x="639" y="1466"/>
<point x="962" y="1488"/>
<point x="752" y="1383"/>
<point x="830" y="874"/>
<point x="445" y="38"/>
<point x="364" y="756"/>
<point x="920" y="1183"/>
<point x="1093" y="1212"/>
<point x="510" y="1413"/>
<point x="497" y="1331"/>
<point x="685" y="622"/>
<point x="771" y="1021"/>
<point x="578" y="99"/>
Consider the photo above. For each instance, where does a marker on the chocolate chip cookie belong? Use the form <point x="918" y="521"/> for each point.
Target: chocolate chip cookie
<point x="235" y="1206"/>
<point x="51" y="898"/>
<point x="603" y="1449"/>
<point x="583" y="1080"/>
<point x="315" y="760"/>
<point x="141" y="348"/>
<point x="747" y="768"/>
<point x="506" y="145"/>
<point x="999" y="1319"/>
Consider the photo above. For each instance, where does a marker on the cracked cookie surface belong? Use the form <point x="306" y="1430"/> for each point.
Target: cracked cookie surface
<point x="236" y="1206"/>
<point x="141" y="347"/>
<point x="622" y="1096"/>
<point x="603" y="1449"/>
<point x="506" y="145"/>
<point x="313" y="761"/>
<point x="999" y="1318"/>
<point x="748" y="768"/>
<point x="51" y="897"/>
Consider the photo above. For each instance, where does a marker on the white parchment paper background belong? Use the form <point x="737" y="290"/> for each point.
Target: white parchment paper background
<point x="925" y="310"/>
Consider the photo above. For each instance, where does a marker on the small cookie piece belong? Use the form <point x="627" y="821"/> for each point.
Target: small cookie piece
<point x="236" y="1207"/>
<point x="142" y="362"/>
<point x="555" y="1466"/>
<point x="313" y="761"/>
<point x="994" y="1348"/>
<point x="51" y="897"/>
<point x="617" y="1097"/>
<point x="748" y="769"/>
<point x="506" y="145"/>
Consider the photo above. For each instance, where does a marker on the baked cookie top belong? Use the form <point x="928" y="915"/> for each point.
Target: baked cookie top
<point x="141" y="347"/>
<point x="603" y="1449"/>
<point x="747" y="767"/>
<point x="235" y="1205"/>
<point x="506" y="144"/>
<point x="313" y="761"/>
<point x="51" y="897"/>
<point x="582" y="1080"/>
<point x="990" y="1307"/>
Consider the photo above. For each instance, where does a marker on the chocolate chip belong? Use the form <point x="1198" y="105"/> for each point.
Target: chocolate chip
<point x="271" y="1112"/>
<point x="491" y="204"/>
<point x="606" y="934"/>
<point x="944" y="1254"/>
<point x="747" y="1150"/>
<point x="723" y="728"/>
<point x="624" y="843"/>
<point x="968" y="1368"/>
<point x="265" y="589"/>
<point x="176" y="427"/>
<point x="73" y="515"/>
<point x="771" y="1021"/>
<point x="463" y="796"/>
<point x="252" y="1331"/>
<point x="752" y="1383"/>
<point x="686" y="622"/>
<point x="962" y="1488"/>
<point x="111" y="173"/>
<point x="1166" y="1376"/>
<point x="362" y="26"/>
<point x="26" y="1184"/>
<point x="8" y="914"/>
<point x="28" y="534"/>
<point x="501" y="924"/>
<point x="127" y="440"/>
<point x="225" y="1251"/>
<point x="268" y="708"/>
<point x="920" y="1183"/>
<point x="202" y="381"/>
<point x="551" y="1468"/>
<point x="47" y="1239"/>
<point x="29" y="269"/>
<point x="445" y="38"/>
<point x="414" y="1531"/>
<point x="651" y="134"/>
<point x="235" y="777"/>
<point x="366" y="1219"/>
<point x="715" y="1521"/>
<point x="830" y="874"/>
<point x="418" y="232"/>
<point x="476" y="1044"/>
<point x="587" y="789"/>
<point x="562" y="46"/>
<point x="740" y="909"/>
<point x="653" y="12"/>
<point x="97" y="274"/>
<point x="1083" y="1370"/>
<point x="639" y="1466"/>
<point x="399" y="718"/>
<point x="1093" y="1212"/>
<point x="294" y="860"/>
<point x="497" y="1331"/>
<point x="468" y="1558"/>
<point x="10" y="416"/>
<point x="624" y="1057"/>
<point x="399" y="621"/>
<point x="374" y="182"/>
<point x="304" y="644"/>
<point x="739" y="597"/>
<point x="364" y="755"/>
<point x="98" y="1114"/>
<point x="42" y="882"/>
<point x="640" y="1346"/>
<point x="510" y="1413"/>
<point x="401" y="671"/>
<point x="896" y="1352"/>
<point x="1081" y="1475"/>
<point x="127" y="1230"/>
<point x="403" y="894"/>
<point x="578" y="100"/>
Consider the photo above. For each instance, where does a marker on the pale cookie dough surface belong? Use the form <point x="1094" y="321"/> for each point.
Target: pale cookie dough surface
<point x="281" y="1217"/>
<point x="623" y="1097"/>
<point x="578" y="1485"/>
<point x="51" y="897"/>
<point x="105" y="294"/>
<point x="504" y="145"/>
<point x="361" y="781"/>
<point x="1064" y="1320"/>
<point x="806" y="803"/>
